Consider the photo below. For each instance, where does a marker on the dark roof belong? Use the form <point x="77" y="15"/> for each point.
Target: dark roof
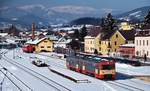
<point x="128" y="34"/>
<point x="94" y="31"/>
<point x="146" y="26"/>
<point x="107" y="35"/>
<point x="143" y="33"/>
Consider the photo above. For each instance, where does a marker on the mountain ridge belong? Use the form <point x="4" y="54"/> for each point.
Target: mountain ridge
<point x="46" y="16"/>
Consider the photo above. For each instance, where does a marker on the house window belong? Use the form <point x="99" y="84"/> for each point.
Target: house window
<point x="116" y="35"/>
<point x="99" y="42"/>
<point x="136" y="42"/>
<point x="48" y="46"/>
<point x="91" y="42"/>
<point x="147" y="42"/>
<point x="140" y="53"/>
<point x="147" y="53"/>
<point x="109" y="44"/>
<point x="140" y="42"/>
<point x="137" y="53"/>
<point x="45" y="41"/>
<point x="91" y="48"/>
<point x="115" y="50"/>
<point x="99" y="48"/>
<point x="42" y="46"/>
<point x="143" y="42"/>
<point x="115" y="43"/>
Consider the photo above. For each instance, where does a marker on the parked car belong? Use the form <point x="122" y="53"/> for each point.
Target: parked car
<point x="135" y="63"/>
<point x="39" y="63"/>
<point x="127" y="61"/>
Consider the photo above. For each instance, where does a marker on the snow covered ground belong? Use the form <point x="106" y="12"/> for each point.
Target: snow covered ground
<point x="94" y="85"/>
<point x="131" y="70"/>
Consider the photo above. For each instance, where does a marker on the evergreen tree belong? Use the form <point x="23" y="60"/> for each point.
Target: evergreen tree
<point x="147" y="19"/>
<point x="83" y="33"/>
<point x="102" y="22"/>
<point x="74" y="44"/>
<point x="108" y="23"/>
<point x="76" y="34"/>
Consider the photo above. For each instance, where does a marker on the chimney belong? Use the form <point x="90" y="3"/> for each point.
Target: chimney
<point x="33" y="30"/>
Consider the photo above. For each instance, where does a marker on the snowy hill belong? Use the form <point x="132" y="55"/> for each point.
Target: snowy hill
<point x="134" y="15"/>
<point x="42" y="15"/>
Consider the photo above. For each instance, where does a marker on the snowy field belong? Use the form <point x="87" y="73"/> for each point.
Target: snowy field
<point x="131" y="70"/>
<point x="42" y="79"/>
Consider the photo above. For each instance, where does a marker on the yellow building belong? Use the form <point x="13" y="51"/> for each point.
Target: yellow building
<point x="125" y="26"/>
<point x="43" y="44"/>
<point x="91" y="41"/>
<point x="110" y="42"/>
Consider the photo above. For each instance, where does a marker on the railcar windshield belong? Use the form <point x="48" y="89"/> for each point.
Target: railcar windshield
<point x="94" y="58"/>
<point x="107" y="67"/>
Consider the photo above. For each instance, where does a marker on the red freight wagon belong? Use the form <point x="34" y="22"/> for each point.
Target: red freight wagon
<point x="28" y="48"/>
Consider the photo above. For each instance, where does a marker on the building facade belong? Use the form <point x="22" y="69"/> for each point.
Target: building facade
<point x="89" y="44"/>
<point x="43" y="44"/>
<point x="91" y="41"/>
<point x="110" y="42"/>
<point x="142" y="43"/>
<point x="62" y="42"/>
<point x="127" y="50"/>
<point x="125" y="26"/>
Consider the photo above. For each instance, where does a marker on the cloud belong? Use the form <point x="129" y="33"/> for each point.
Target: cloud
<point x="72" y="9"/>
<point x="4" y="8"/>
<point x="107" y="10"/>
<point x="146" y="2"/>
<point x="30" y="7"/>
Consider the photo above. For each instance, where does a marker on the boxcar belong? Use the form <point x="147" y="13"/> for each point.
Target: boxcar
<point x="92" y="65"/>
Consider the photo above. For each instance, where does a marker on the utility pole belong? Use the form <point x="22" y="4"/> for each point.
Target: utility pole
<point x="33" y="31"/>
<point x="14" y="54"/>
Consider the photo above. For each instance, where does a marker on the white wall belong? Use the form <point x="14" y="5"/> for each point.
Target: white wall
<point x="142" y="45"/>
<point x="62" y="45"/>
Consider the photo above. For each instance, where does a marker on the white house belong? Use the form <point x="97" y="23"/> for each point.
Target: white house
<point x="3" y="34"/>
<point x="62" y="42"/>
<point x="142" y="43"/>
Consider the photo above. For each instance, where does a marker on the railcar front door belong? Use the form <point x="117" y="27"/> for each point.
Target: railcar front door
<point x="96" y="72"/>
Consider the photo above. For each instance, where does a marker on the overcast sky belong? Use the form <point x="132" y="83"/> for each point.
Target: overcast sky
<point x="107" y="5"/>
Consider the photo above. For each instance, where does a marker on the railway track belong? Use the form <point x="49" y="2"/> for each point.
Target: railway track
<point x="125" y="86"/>
<point x="119" y="84"/>
<point x="133" y="81"/>
<point x="54" y="63"/>
<point x="44" y="79"/>
<point x="11" y="78"/>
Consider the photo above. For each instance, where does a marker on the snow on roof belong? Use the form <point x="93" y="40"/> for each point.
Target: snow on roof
<point x="36" y="41"/>
<point x="63" y="40"/>
<point x="3" y="34"/>
<point x="52" y="37"/>
<point x="88" y="37"/>
<point x="128" y="45"/>
<point x="10" y="41"/>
